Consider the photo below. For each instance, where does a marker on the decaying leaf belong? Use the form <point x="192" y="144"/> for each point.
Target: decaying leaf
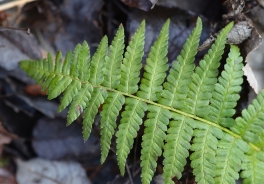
<point x="181" y="26"/>
<point x="261" y="2"/>
<point x="35" y="90"/>
<point x="251" y="78"/>
<point x="239" y="33"/>
<point x="53" y="140"/>
<point x="6" y="177"/>
<point x="5" y="137"/>
<point x="140" y="4"/>
<point x="153" y="3"/>
<point x="40" y="171"/>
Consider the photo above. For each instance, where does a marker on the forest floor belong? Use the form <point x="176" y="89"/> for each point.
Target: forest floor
<point x="35" y="145"/>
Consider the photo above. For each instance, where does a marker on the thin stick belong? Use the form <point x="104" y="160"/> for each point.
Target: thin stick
<point x="129" y="174"/>
<point x="13" y="4"/>
<point x="27" y="30"/>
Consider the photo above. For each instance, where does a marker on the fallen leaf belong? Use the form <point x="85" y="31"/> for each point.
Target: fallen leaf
<point x="208" y="8"/>
<point x="40" y="171"/>
<point x="17" y="45"/>
<point x="5" y="137"/>
<point x="140" y="4"/>
<point x="53" y="140"/>
<point x="251" y="78"/>
<point x="20" y="101"/>
<point x="35" y="90"/>
<point x="181" y="26"/>
<point x="239" y="33"/>
<point x="261" y="2"/>
<point x="6" y="177"/>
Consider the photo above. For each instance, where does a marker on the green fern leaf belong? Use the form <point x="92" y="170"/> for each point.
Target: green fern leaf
<point x="130" y="68"/>
<point x="203" y="82"/>
<point x="83" y="64"/>
<point x="250" y="125"/>
<point x="69" y="68"/>
<point x="48" y="67"/>
<point x="154" y="75"/>
<point x="134" y="111"/>
<point x="79" y="102"/>
<point x="198" y="109"/>
<point x="153" y="140"/>
<point x="204" y="78"/>
<point x="230" y="154"/>
<point x="111" y="108"/>
<point x="97" y="63"/>
<point x="113" y="60"/>
<point x="67" y="64"/>
<point x="97" y="98"/>
<point x="225" y="96"/>
<point x="177" y="146"/>
<point x="69" y="94"/>
<point x="204" y="146"/>
<point x="175" y="91"/>
<point x="59" y="82"/>
<point x="176" y="87"/>
<point x="74" y="60"/>
<point x="253" y="166"/>
<point x="128" y="128"/>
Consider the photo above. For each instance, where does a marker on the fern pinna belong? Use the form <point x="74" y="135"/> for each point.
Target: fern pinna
<point x="190" y="109"/>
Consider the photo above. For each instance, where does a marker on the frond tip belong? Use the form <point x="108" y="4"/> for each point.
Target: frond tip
<point x="190" y="109"/>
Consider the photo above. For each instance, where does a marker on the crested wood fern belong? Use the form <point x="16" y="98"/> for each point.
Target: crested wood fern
<point x="189" y="110"/>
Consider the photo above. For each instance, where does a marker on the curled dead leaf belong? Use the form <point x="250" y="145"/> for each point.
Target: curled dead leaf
<point x="35" y="90"/>
<point x="239" y="33"/>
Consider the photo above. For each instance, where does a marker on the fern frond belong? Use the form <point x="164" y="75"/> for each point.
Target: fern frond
<point x="130" y="68"/>
<point x="48" y="67"/>
<point x="175" y="91"/>
<point x="230" y="154"/>
<point x="225" y="95"/>
<point x="71" y="61"/>
<point x="56" y="82"/>
<point x="253" y="167"/>
<point x="204" y="147"/>
<point x="204" y="78"/>
<point x="176" y="87"/>
<point x="83" y="64"/>
<point x="134" y="111"/>
<point x="153" y="140"/>
<point x="97" y="63"/>
<point x="177" y="146"/>
<point x="128" y="128"/>
<point x="111" y="108"/>
<point x="158" y="118"/>
<point x="79" y="102"/>
<point x="200" y="91"/>
<point x="63" y="81"/>
<point x="71" y="90"/>
<point x="250" y="125"/>
<point x="113" y="60"/>
<point x="156" y="67"/>
<point x="97" y="98"/>
<point x="197" y="109"/>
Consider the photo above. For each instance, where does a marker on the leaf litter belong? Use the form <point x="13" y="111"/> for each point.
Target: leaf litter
<point x="60" y="25"/>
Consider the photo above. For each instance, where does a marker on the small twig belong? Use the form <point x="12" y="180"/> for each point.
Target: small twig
<point x="13" y="4"/>
<point x="129" y="174"/>
<point x="12" y="28"/>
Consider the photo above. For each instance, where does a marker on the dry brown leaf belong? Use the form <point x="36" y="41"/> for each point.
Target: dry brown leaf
<point x="35" y="90"/>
